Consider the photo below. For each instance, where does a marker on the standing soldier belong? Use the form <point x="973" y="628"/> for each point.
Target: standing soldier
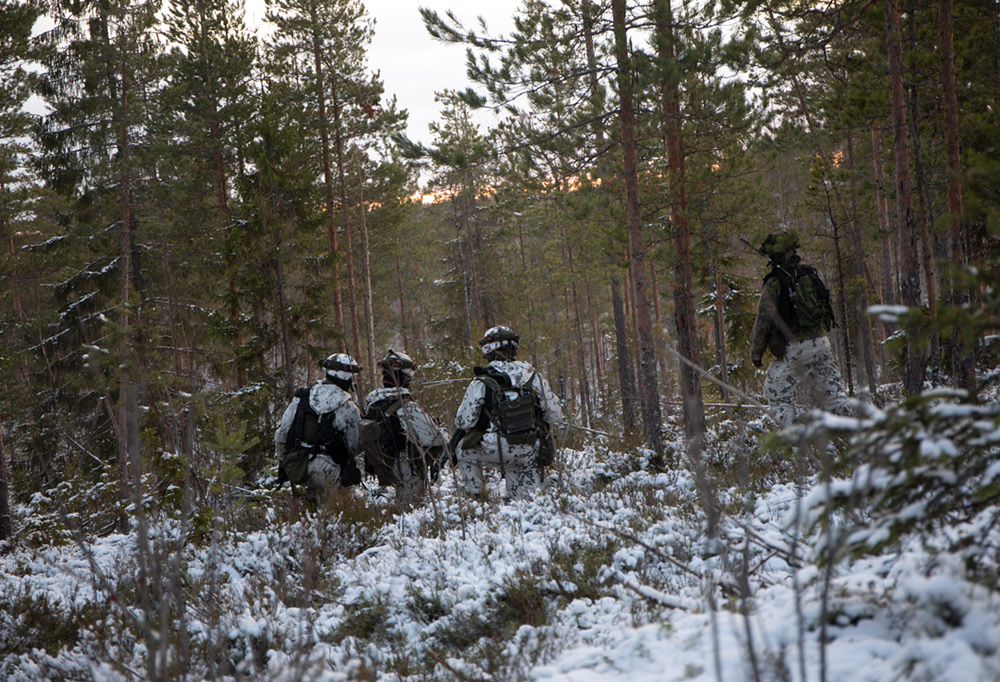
<point x="793" y="319"/>
<point x="505" y="419"/>
<point x="317" y="439"/>
<point x="408" y="441"/>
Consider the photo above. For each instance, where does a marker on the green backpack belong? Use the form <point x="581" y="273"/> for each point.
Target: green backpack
<point x="803" y="301"/>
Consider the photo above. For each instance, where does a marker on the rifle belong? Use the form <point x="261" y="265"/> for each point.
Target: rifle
<point x="770" y="260"/>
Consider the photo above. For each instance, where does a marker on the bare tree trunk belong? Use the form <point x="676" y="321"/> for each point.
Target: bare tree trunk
<point x="128" y="410"/>
<point x="925" y="214"/>
<point x="909" y="267"/>
<point x="583" y="379"/>
<point x="887" y="290"/>
<point x="680" y="232"/>
<point x="367" y="266"/>
<point x="463" y="261"/>
<point x="626" y="377"/>
<point x="637" y="250"/>
<point x="221" y="194"/>
<point x="402" y="301"/>
<point x="352" y="286"/>
<point x="861" y="310"/>
<point x="529" y="308"/>
<point x="658" y="335"/>
<point x="282" y="299"/>
<point x="963" y="363"/>
<point x="328" y="194"/>
<point x="6" y="523"/>
<point x="720" y="331"/>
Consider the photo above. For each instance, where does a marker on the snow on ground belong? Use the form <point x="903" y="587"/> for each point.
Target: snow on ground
<point x="605" y="578"/>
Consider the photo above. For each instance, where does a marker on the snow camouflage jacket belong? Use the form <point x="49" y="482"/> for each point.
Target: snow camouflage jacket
<point x="418" y="427"/>
<point x="325" y="399"/>
<point x="770" y="331"/>
<point x="520" y="373"/>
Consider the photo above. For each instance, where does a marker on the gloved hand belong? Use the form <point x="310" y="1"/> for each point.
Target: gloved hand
<point x="757" y="362"/>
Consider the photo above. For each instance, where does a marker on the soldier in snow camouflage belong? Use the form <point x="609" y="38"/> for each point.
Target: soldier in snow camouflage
<point x="326" y="462"/>
<point x="804" y="372"/>
<point x="480" y="443"/>
<point x="417" y="442"/>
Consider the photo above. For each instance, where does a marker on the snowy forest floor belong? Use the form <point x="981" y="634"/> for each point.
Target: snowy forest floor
<point x="613" y="573"/>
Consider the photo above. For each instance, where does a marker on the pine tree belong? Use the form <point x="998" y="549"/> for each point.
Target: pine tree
<point x="16" y="190"/>
<point x="98" y="78"/>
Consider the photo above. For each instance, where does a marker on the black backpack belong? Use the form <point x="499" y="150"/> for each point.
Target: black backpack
<point x="309" y="434"/>
<point x="515" y="411"/>
<point x="382" y="437"/>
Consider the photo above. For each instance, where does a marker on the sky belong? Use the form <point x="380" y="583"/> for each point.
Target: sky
<point x="413" y="65"/>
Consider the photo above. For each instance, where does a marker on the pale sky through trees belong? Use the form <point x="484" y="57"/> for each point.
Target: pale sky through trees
<point x="413" y="65"/>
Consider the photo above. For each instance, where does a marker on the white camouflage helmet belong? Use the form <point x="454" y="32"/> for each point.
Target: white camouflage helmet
<point x="498" y="338"/>
<point x="341" y="366"/>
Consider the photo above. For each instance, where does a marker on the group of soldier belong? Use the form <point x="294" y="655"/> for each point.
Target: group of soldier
<point x="328" y="454"/>
<point x="326" y="458"/>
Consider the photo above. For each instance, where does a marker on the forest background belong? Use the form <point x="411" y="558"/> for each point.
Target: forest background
<point x="202" y="215"/>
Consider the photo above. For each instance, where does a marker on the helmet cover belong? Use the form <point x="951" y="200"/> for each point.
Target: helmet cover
<point x="777" y="244"/>
<point x="341" y="366"/>
<point x="398" y="366"/>
<point x="498" y="338"/>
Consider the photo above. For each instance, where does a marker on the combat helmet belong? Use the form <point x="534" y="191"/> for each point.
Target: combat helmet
<point x="397" y="368"/>
<point x="499" y="338"/>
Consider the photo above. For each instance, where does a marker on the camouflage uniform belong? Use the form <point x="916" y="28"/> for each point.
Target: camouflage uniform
<point x="804" y="371"/>
<point x="331" y="403"/>
<point x="423" y="442"/>
<point x="520" y="462"/>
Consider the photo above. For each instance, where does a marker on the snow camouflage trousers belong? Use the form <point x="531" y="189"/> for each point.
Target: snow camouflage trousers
<point x="520" y="466"/>
<point x="324" y="475"/>
<point x="807" y="376"/>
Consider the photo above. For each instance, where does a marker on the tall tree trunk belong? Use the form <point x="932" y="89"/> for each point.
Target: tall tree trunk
<point x="402" y="301"/>
<point x="963" y="363"/>
<point x="529" y="307"/>
<point x="720" y="330"/>
<point x="637" y="249"/>
<point x="680" y="231"/>
<point x="6" y="524"/>
<point x="861" y="310"/>
<point x="280" y="295"/>
<point x="352" y="285"/>
<point x="127" y="407"/>
<point x="328" y="190"/>
<point x="887" y="290"/>
<point x="220" y="181"/>
<point x="909" y="267"/>
<point x="367" y="266"/>
<point x="583" y="379"/>
<point x="626" y="377"/>
<point x="842" y="295"/>
<point x="925" y="206"/>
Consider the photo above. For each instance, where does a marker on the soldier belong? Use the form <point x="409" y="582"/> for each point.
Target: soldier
<point x="505" y="419"/>
<point x="793" y="318"/>
<point x="408" y="440"/>
<point x="317" y="439"/>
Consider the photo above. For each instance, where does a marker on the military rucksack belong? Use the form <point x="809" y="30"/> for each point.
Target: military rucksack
<point x="382" y="438"/>
<point x="803" y="299"/>
<point x="514" y="410"/>
<point x="309" y="434"/>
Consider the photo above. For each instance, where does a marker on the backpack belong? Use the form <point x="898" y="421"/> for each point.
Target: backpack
<point x="381" y="438"/>
<point x="309" y="433"/>
<point x="803" y="300"/>
<point x="514" y="410"/>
